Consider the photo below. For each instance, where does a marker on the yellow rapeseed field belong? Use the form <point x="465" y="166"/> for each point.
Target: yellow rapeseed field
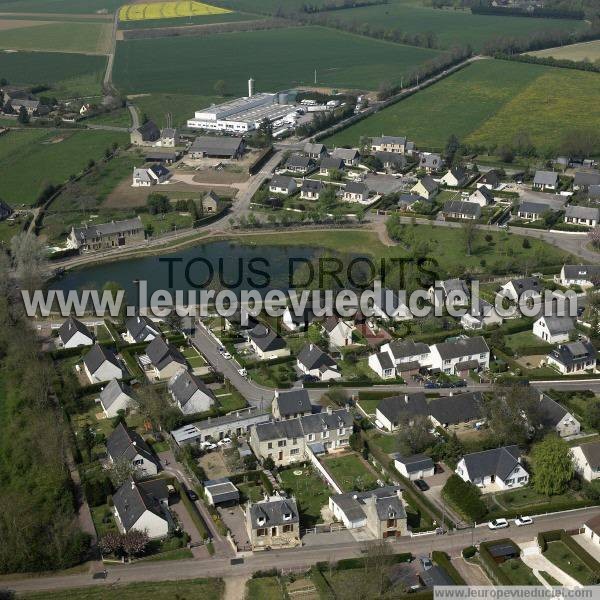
<point x="167" y="10"/>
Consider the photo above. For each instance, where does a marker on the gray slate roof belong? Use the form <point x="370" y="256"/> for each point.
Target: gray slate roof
<point x="297" y="161"/>
<point x="387" y="503"/>
<point x="293" y="402"/>
<point x="331" y="162"/>
<point x="301" y="426"/>
<point x="183" y="385"/>
<point x="133" y="499"/>
<point x="585" y="179"/>
<point x="282" y="181"/>
<point x="429" y="183"/>
<point x="458" y="207"/>
<point x="545" y="178"/>
<point x="221" y="490"/>
<point x="127" y="443"/>
<point x="162" y="354"/>
<point x="217" y="145"/>
<point x="458" y="408"/>
<point x="97" y="356"/>
<point x="558" y="325"/>
<point x="405" y="348"/>
<point x="591" y="451"/>
<point x="551" y="412"/>
<point x="72" y="326"/>
<point x="491" y="178"/>
<point x="272" y="512"/>
<point x="587" y="272"/>
<point x="384" y="360"/>
<point x="574" y="352"/>
<point x="356" y="187"/>
<point x="497" y="461"/>
<point x="312" y="357"/>
<point x="526" y="284"/>
<point x="140" y="327"/>
<point x="537" y="208"/>
<point x="416" y="462"/>
<point x="149" y="131"/>
<point x="312" y="185"/>
<point x="266" y="338"/>
<point x="582" y="212"/>
<point x="112" y="228"/>
<point x="406" y="405"/>
<point x="462" y="347"/>
<point x="112" y="391"/>
<point x="388" y="139"/>
<point x="346" y="153"/>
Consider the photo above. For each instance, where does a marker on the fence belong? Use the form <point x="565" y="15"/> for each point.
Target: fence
<point x="321" y="469"/>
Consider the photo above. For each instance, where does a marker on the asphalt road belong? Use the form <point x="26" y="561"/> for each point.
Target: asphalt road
<point x="451" y="543"/>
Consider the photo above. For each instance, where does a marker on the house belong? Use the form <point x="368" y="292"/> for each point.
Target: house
<point x="553" y="330"/>
<point x="456" y="410"/>
<point x="164" y="156"/>
<point x="241" y="321"/>
<point x="266" y="343"/>
<point x="381" y="512"/>
<point x="382" y="364"/>
<point x="291" y="404"/>
<point x="350" y="156"/>
<point x="315" y="151"/>
<point x="490" y="180"/>
<point x="140" y="329"/>
<point x="498" y="467"/>
<point x="591" y="530"/>
<point x="586" y="460"/>
<point x="311" y="189"/>
<point x="408" y="201"/>
<point x="280" y="184"/>
<point x="392" y="144"/>
<point x="392" y="161"/>
<point x="455" y="177"/>
<point x="146" y="134"/>
<point x="584" y="179"/>
<point x="33" y="107"/>
<point x="574" y="357"/>
<point x="289" y="441"/>
<point x="487" y="317"/>
<point x="330" y="164"/>
<point x="297" y="322"/>
<point x="169" y="137"/>
<point x="532" y="211"/>
<point x="297" y="163"/>
<point x="101" y="364"/>
<point x="127" y="445"/>
<point x="316" y="363"/>
<point x="393" y="411"/>
<point x="515" y="288"/>
<point x="146" y="177"/>
<point x="457" y="209"/>
<point x="105" y="236"/>
<point x="235" y="423"/>
<point x="431" y="162"/>
<point x="555" y="417"/>
<point x="461" y="355"/>
<point x="338" y="331"/>
<point x="143" y="506"/>
<point x="221" y="492"/>
<point x="356" y="191"/>
<point x="73" y="333"/>
<point x="164" y="359"/>
<point x="450" y="292"/>
<point x="5" y="210"/>
<point x="408" y="356"/>
<point x="582" y="215"/>
<point x="426" y="188"/>
<point x="207" y="146"/>
<point x="417" y="466"/>
<point x="114" y="397"/>
<point x="582" y="275"/>
<point x="482" y="196"/>
<point x="390" y="306"/>
<point x="503" y="551"/>
<point x="273" y="523"/>
<point x="189" y="393"/>
<point x="545" y="180"/>
<point x="593" y="192"/>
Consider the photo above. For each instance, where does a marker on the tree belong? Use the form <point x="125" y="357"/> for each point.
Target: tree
<point x="469" y="232"/>
<point x="152" y="405"/>
<point x="552" y="466"/>
<point x="592" y="412"/>
<point x="414" y="437"/>
<point x="452" y="146"/>
<point x="594" y="237"/>
<point x="88" y="437"/>
<point x="29" y="259"/>
<point x="193" y="209"/>
<point x="158" y="203"/>
<point x="120" y="471"/>
<point x="269" y="463"/>
<point x="23" y="117"/>
<point x="220" y="88"/>
<point x="110" y="542"/>
<point x="134" y="542"/>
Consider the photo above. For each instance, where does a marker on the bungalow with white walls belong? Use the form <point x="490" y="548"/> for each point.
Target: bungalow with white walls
<point x="553" y="330"/>
<point x="316" y="363"/>
<point x="338" y="331"/>
<point x="461" y="355"/>
<point x="417" y="466"/>
<point x="101" y="364"/>
<point x="586" y="460"/>
<point x="73" y="333"/>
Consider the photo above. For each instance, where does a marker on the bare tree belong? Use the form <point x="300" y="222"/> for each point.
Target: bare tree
<point x="120" y="471"/>
<point x="469" y="234"/>
<point x="29" y="260"/>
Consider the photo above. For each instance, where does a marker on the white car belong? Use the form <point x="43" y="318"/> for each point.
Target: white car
<point x="243" y="372"/>
<point x="224" y="442"/>
<point x="498" y="524"/>
<point x="226" y="355"/>
<point x="520" y="521"/>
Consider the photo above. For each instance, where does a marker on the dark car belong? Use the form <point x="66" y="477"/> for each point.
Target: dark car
<point x="431" y="385"/>
<point x="310" y="378"/>
<point x="421" y="485"/>
<point x="192" y="495"/>
<point x="457" y="384"/>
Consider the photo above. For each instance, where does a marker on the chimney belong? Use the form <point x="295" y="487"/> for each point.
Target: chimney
<point x="329" y="410"/>
<point x="250" y="87"/>
<point x="132" y="484"/>
<point x="451" y="394"/>
<point x="134" y="443"/>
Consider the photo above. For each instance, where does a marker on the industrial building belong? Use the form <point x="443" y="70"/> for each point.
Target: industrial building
<point x="245" y="114"/>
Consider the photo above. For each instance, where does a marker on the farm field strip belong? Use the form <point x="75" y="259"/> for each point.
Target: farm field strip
<point x="342" y="60"/>
<point x="168" y="10"/>
<point x="489" y="102"/>
<point x="583" y="51"/>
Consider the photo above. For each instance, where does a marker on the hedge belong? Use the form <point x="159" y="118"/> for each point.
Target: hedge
<point x="469" y="552"/>
<point x="544" y="538"/>
<point x="62" y="353"/>
<point x="465" y="497"/>
<point x="357" y="563"/>
<point x="321" y="584"/>
<point x="489" y="564"/>
<point x="193" y="511"/>
<point x="443" y="560"/>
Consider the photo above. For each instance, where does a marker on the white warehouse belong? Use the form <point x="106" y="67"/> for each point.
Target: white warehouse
<point x="244" y="114"/>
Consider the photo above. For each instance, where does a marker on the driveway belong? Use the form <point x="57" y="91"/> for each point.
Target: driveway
<point x="472" y="574"/>
<point x="186" y="521"/>
<point x="234" y="518"/>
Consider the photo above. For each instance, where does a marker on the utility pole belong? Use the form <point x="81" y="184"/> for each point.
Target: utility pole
<point x="315" y="77"/>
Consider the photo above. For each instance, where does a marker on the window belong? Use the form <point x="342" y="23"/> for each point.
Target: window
<point x="287" y="516"/>
<point x="311" y="437"/>
<point x="341" y="431"/>
<point x="288" y="528"/>
<point x="294" y="451"/>
<point x="270" y="445"/>
<point x="139" y="461"/>
<point x="281" y="443"/>
<point x="261" y="532"/>
<point x="294" y="441"/>
<point x="391" y="522"/>
<point x="325" y="434"/>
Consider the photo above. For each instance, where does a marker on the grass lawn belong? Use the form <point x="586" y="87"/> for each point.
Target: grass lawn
<point x="251" y="491"/>
<point x="264" y="588"/>
<point x="281" y="374"/>
<point x="31" y="159"/>
<point x="230" y="400"/>
<point x="177" y="554"/>
<point x="342" y="61"/>
<point x="350" y="472"/>
<point x="551" y="580"/>
<point x="8" y="229"/>
<point x="103" y="335"/>
<point x="60" y="70"/>
<point x="518" y="341"/>
<point x="562" y="556"/>
<point x="311" y="493"/>
<point x="103" y="519"/>
<point x="93" y="38"/>
<point x="181" y="106"/>
<point x="207" y="589"/>
<point x="369" y="404"/>
<point x="584" y="51"/>
<point x="488" y="103"/>
<point x="388" y="443"/>
<point x="524" y="498"/>
<point x="518" y="572"/>
<point x="114" y="118"/>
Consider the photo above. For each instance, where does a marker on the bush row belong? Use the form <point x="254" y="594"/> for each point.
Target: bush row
<point x="465" y="497"/>
<point x="443" y="560"/>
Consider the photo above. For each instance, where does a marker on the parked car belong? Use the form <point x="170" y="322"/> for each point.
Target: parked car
<point x="520" y="521"/>
<point x="310" y="378"/>
<point x="226" y="355"/>
<point x="431" y="385"/>
<point x="243" y="372"/>
<point x="457" y="384"/>
<point x="422" y="485"/>
<point x="192" y="495"/>
<point x="426" y="563"/>
<point x="224" y="442"/>
<point x="498" y="524"/>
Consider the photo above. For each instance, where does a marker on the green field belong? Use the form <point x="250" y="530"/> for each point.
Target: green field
<point x="489" y="103"/>
<point x="181" y="106"/>
<point x="31" y="159"/>
<point x="350" y="472"/>
<point x="195" y="20"/>
<point x="93" y="38"/>
<point x="452" y="27"/>
<point x="207" y="589"/>
<point x="310" y="491"/>
<point x="66" y="73"/>
<point x="584" y="51"/>
<point x="60" y="6"/>
<point x="342" y="60"/>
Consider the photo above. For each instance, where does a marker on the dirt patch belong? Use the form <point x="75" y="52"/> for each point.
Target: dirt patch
<point x="531" y="362"/>
<point x="221" y="177"/>
<point x="55" y="140"/>
<point x="214" y="465"/>
<point x="6" y="24"/>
